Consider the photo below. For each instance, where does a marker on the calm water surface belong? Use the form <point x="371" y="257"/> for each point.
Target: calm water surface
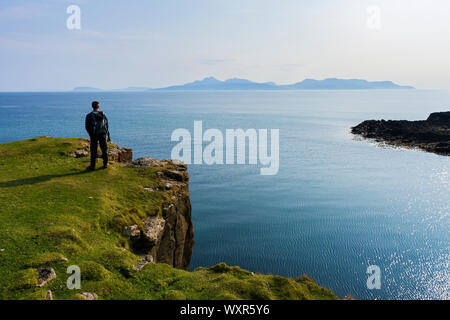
<point x="337" y="205"/>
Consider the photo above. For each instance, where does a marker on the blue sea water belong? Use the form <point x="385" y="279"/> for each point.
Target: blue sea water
<point x="337" y="205"/>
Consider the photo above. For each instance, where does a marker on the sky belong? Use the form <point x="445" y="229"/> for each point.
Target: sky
<point x="166" y="42"/>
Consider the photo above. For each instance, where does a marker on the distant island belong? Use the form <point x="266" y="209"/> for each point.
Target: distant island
<point x="211" y="83"/>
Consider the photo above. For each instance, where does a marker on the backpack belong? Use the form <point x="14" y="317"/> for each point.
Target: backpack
<point x="101" y="124"/>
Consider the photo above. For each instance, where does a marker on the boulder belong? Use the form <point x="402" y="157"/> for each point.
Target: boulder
<point x="45" y="275"/>
<point x="89" y="296"/>
<point x="132" y="232"/>
<point x="180" y="176"/>
<point x="146" y="260"/>
<point x="123" y="155"/>
<point x="80" y="153"/>
<point x="153" y="229"/>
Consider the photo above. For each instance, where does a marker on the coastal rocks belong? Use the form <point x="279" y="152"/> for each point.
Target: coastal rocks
<point x="168" y="238"/>
<point x="45" y="275"/>
<point x="439" y="118"/>
<point x="431" y="135"/>
<point x="146" y="260"/>
<point x="176" y="175"/>
<point x="149" y="163"/>
<point x="79" y="154"/>
<point x="146" y="240"/>
<point x="115" y="153"/>
<point x="443" y="148"/>
<point x="132" y="232"/>
<point x="177" y="241"/>
<point x="152" y="163"/>
<point x="153" y="231"/>
<point x="123" y="155"/>
<point x="89" y="296"/>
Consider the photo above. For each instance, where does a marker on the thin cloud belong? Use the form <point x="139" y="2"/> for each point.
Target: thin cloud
<point x="118" y="36"/>
<point x="216" y="61"/>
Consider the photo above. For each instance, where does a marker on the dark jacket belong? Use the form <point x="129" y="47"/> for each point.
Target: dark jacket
<point x="91" y="119"/>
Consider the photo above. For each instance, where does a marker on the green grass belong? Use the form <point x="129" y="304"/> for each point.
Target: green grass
<point x="52" y="208"/>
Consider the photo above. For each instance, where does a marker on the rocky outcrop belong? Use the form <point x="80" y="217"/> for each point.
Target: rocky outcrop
<point x="431" y="135"/>
<point x="115" y="153"/>
<point x="168" y="238"/>
<point x="45" y="275"/>
<point x="89" y="296"/>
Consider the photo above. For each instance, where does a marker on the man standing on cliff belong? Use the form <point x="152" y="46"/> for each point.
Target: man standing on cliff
<point x="97" y="128"/>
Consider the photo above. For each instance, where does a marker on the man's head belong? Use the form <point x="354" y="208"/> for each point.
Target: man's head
<point x="95" y="105"/>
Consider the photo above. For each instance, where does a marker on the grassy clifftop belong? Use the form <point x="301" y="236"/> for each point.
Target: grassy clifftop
<point x="54" y="213"/>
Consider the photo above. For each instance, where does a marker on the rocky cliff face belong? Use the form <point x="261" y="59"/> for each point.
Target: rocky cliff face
<point x="168" y="238"/>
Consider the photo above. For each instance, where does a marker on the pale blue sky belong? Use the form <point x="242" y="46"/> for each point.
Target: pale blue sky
<point x="165" y="42"/>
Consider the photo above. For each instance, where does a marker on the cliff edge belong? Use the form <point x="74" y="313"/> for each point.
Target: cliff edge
<point x="127" y="229"/>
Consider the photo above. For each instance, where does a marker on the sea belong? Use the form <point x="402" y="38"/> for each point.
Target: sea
<point x="338" y="204"/>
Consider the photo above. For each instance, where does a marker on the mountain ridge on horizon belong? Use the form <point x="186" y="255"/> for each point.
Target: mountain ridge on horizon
<point x="211" y="83"/>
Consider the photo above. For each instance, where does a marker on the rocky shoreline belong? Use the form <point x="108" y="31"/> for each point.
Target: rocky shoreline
<point x="431" y="135"/>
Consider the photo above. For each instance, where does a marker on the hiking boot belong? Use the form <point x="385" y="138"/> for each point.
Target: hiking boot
<point x="90" y="168"/>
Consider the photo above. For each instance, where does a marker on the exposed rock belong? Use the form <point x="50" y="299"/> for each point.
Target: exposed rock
<point x="115" y="153"/>
<point x="439" y="118"/>
<point x="153" y="228"/>
<point x="167" y="239"/>
<point x="89" y="296"/>
<point x="146" y="260"/>
<point x="149" y="163"/>
<point x="432" y="135"/>
<point x="180" y="164"/>
<point x="132" y="232"/>
<point x="177" y="241"/>
<point x="48" y="295"/>
<point x="45" y="275"/>
<point x="79" y="153"/>
<point x="176" y="175"/>
<point x="152" y="163"/>
<point x="124" y="155"/>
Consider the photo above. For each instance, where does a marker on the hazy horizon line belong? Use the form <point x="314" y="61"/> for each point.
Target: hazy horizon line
<point x="145" y="88"/>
